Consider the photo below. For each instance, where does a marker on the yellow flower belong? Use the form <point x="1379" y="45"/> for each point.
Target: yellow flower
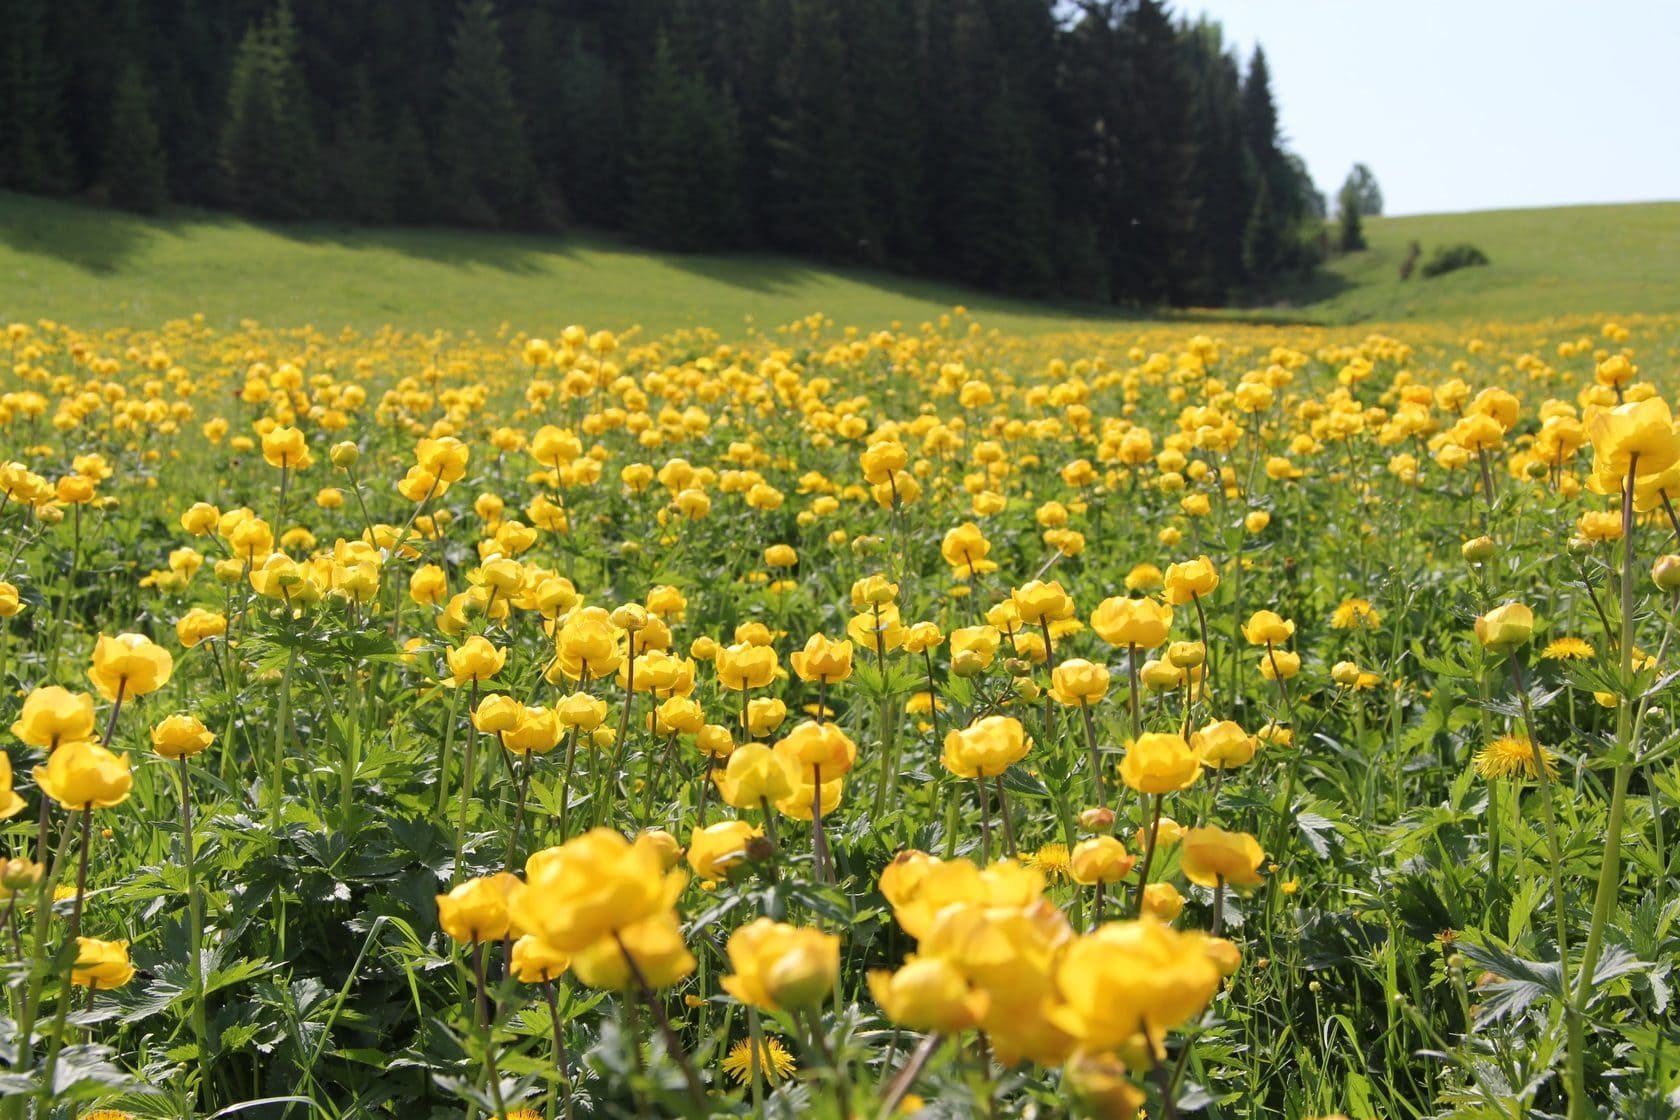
<point x="1223" y="745"/>
<point x="1052" y="860"/>
<point x="286" y="448"/>
<point x="475" y="660"/>
<point x="1162" y="901"/>
<point x="1191" y="579"/>
<point x="1567" y="649"/>
<point x="1038" y="602"/>
<point x="11" y="804"/>
<point x="590" y="887"/>
<point x="778" y="966"/>
<point x="715" y="850"/>
<point x="774" y="1060"/>
<point x="82" y="775"/>
<point x="536" y="962"/>
<point x="101" y="964"/>
<point x="1510" y="756"/>
<point x="1268" y="628"/>
<point x="129" y="665"/>
<point x="822" y="660"/>
<point x="973" y="648"/>
<point x="1210" y="854"/>
<point x="1355" y="614"/>
<point x="1275" y="663"/>
<point x="812" y="749"/>
<point x="1098" y="1082"/>
<point x="1130" y="977"/>
<point x="985" y="748"/>
<point x="1100" y="859"/>
<point x="742" y="666"/>
<point x="477" y="910"/>
<point x="1505" y="627"/>
<point x="1077" y="682"/>
<point x="1158" y="762"/>
<point x="181" y="736"/>
<point x="755" y="774"/>
<point x="964" y="549"/>
<point x="52" y="715"/>
<point x="656" y="946"/>
<point x="928" y="994"/>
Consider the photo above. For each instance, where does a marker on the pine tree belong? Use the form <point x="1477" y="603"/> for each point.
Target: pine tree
<point x="414" y="197"/>
<point x="34" y="151"/>
<point x="1265" y="237"/>
<point x="135" y="172"/>
<point x="362" y="168"/>
<point x="682" y="172"/>
<point x="592" y="134"/>
<point x="816" y="205"/>
<point x="485" y="163"/>
<point x="268" y="148"/>
<point x="1350" y="229"/>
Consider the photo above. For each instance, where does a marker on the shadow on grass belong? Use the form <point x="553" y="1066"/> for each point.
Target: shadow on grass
<point x="101" y="241"/>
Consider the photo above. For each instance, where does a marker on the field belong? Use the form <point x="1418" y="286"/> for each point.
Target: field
<point x="1008" y="712"/>
<point x="98" y="268"/>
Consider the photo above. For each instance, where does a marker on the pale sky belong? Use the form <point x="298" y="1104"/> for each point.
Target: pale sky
<point x="1474" y="104"/>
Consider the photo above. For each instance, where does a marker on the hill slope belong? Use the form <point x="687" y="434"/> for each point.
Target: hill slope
<point x="97" y="267"/>
<point x="1574" y="259"/>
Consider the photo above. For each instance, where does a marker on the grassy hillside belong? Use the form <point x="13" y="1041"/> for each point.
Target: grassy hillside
<point x="1619" y="259"/>
<point x="97" y="267"/>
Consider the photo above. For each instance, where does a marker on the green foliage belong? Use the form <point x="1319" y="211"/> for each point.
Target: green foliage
<point x="135" y="170"/>
<point x="268" y="146"/>
<point x="1104" y="150"/>
<point x="1451" y="258"/>
<point x="482" y="155"/>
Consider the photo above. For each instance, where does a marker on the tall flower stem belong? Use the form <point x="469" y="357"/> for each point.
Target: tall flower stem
<point x="673" y="1044"/>
<point x="56" y="1043"/>
<point x="195" y="931"/>
<point x="562" y="1066"/>
<point x="1148" y="853"/>
<point x="470" y="764"/>
<point x="1609" y="873"/>
<point x="277" y="773"/>
<point x="1097" y="794"/>
<point x="486" y="1031"/>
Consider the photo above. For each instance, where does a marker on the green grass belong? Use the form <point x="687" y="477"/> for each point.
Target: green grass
<point x="97" y="267"/>
<point x="1577" y="259"/>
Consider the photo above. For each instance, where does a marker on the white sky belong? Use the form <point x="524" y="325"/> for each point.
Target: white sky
<point x="1474" y="104"/>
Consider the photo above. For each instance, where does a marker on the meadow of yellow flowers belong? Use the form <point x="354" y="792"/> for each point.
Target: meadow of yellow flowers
<point x="1219" y="720"/>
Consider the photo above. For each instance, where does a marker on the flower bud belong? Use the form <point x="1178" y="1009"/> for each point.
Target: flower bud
<point x="1096" y="819"/>
<point x="1477" y="551"/>
<point x="344" y="455"/>
<point x="20" y="874"/>
<point x="1665" y="573"/>
<point x="1186" y="655"/>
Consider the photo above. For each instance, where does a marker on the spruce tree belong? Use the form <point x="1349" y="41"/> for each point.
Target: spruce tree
<point x="34" y="150"/>
<point x="268" y="148"/>
<point x="135" y="174"/>
<point x="485" y="164"/>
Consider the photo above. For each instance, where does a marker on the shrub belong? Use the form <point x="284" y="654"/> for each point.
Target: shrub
<point x="1451" y="258"/>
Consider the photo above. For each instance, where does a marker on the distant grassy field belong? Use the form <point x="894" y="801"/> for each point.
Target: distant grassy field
<point x="96" y="267"/>
<point x="1575" y="259"/>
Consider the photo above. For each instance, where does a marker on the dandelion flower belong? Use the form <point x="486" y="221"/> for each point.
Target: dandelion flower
<point x="777" y="1062"/>
<point x="1355" y="614"/>
<point x="1052" y="859"/>
<point x="1510" y="756"/>
<point x="1567" y="649"/>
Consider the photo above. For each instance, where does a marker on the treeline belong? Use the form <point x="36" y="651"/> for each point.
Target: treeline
<point x="1102" y="150"/>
